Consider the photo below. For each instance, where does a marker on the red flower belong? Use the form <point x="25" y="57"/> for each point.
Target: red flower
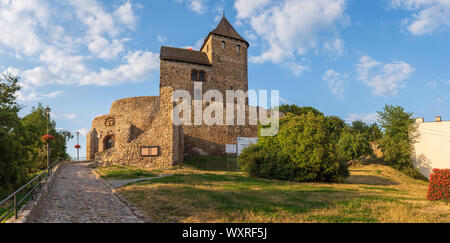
<point x="47" y="138"/>
<point x="439" y="185"/>
<point x="77" y="146"/>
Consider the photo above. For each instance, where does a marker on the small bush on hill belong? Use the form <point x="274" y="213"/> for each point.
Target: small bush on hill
<point x="302" y="151"/>
<point x="439" y="185"/>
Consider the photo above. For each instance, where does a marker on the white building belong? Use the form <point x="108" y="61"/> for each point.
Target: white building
<point x="432" y="150"/>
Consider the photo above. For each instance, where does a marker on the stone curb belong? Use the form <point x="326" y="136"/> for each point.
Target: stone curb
<point x="133" y="208"/>
<point x="31" y="209"/>
<point x="121" y="183"/>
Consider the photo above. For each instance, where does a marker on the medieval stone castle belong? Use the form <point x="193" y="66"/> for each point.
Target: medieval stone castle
<point x="139" y="131"/>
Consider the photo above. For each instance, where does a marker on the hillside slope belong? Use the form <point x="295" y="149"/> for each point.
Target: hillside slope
<point x="373" y="193"/>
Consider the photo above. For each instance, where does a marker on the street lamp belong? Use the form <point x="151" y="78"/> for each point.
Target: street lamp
<point x="47" y="114"/>
<point x="78" y="146"/>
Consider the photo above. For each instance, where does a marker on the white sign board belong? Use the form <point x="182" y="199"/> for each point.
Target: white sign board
<point x="231" y="149"/>
<point x="244" y="143"/>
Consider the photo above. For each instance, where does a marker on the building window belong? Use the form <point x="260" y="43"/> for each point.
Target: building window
<point x="223" y="44"/>
<point x="110" y="122"/>
<point x="201" y="76"/>
<point x="207" y="48"/>
<point x="238" y="48"/>
<point x="150" y="151"/>
<point x="194" y="75"/>
<point x="198" y="76"/>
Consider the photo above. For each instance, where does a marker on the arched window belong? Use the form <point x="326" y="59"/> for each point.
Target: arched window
<point x="238" y="48"/>
<point x="223" y="44"/>
<point x="194" y="75"/>
<point x="202" y="76"/>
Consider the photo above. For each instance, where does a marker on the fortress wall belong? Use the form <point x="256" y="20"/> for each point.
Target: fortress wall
<point x="162" y="133"/>
<point x="139" y="111"/>
<point x="212" y="140"/>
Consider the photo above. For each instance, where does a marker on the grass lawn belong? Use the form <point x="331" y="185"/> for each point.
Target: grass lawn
<point x="373" y="193"/>
<point x="124" y="173"/>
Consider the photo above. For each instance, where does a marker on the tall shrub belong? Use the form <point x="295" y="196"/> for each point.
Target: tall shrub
<point x="303" y="150"/>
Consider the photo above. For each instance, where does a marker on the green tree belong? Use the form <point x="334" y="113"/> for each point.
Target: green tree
<point x="398" y="139"/>
<point x="21" y="150"/>
<point x="12" y="153"/>
<point x="298" y="111"/>
<point x="353" y="145"/>
<point x="35" y="125"/>
<point x="335" y="127"/>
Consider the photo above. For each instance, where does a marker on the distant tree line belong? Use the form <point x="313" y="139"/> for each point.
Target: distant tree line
<point x="22" y="152"/>
<point x="313" y="147"/>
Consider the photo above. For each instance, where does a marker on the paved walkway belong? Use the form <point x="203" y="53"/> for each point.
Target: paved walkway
<point x="121" y="183"/>
<point x="77" y="196"/>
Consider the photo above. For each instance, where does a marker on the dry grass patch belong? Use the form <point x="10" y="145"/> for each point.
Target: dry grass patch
<point x="373" y="193"/>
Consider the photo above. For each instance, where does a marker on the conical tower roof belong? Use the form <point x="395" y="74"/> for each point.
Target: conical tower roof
<point x="225" y="29"/>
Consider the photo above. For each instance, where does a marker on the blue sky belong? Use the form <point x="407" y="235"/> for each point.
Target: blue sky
<point x="345" y="57"/>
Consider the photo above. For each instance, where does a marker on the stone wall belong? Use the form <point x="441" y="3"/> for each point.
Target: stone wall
<point x="128" y="119"/>
<point x="162" y="133"/>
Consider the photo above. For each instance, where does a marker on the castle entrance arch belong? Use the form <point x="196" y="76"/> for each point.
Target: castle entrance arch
<point x="109" y="142"/>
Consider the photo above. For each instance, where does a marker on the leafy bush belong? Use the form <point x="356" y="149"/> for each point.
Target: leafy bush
<point x="302" y="151"/>
<point x="439" y="185"/>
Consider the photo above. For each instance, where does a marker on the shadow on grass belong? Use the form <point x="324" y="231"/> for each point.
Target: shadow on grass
<point x="370" y="180"/>
<point x="233" y="196"/>
<point x="211" y="163"/>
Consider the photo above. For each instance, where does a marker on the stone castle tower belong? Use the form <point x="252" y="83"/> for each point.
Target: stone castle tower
<point x="140" y="131"/>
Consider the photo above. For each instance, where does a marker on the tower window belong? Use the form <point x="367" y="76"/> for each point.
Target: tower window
<point x="194" y="75"/>
<point x="198" y="75"/>
<point x="201" y="76"/>
<point x="223" y="44"/>
<point x="238" y="48"/>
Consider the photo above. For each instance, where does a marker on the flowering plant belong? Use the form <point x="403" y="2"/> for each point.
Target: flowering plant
<point x="439" y="185"/>
<point x="77" y="146"/>
<point x="47" y="138"/>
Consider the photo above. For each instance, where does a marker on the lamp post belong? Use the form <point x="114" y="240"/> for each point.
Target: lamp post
<point x="78" y="147"/>
<point x="47" y="113"/>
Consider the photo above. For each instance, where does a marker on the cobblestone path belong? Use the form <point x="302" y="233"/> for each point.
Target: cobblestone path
<point x="77" y="196"/>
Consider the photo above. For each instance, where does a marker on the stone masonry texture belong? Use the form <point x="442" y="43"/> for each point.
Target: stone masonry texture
<point x="117" y="138"/>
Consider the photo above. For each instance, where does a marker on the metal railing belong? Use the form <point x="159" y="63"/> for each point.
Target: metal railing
<point x="14" y="196"/>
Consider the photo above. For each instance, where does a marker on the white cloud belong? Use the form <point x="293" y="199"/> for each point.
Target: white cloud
<point x="83" y="131"/>
<point x="162" y="39"/>
<point x="61" y="56"/>
<point x="20" y="20"/>
<point x="126" y="15"/>
<point x="286" y="101"/>
<point x="384" y="79"/>
<point x="429" y="15"/>
<point x="334" y="47"/>
<point x="335" y="82"/>
<point x="247" y="8"/>
<point x="291" y="28"/>
<point x="70" y="116"/>
<point x="367" y="118"/>
<point x="29" y="93"/>
<point x="139" y="65"/>
<point x="197" y="6"/>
